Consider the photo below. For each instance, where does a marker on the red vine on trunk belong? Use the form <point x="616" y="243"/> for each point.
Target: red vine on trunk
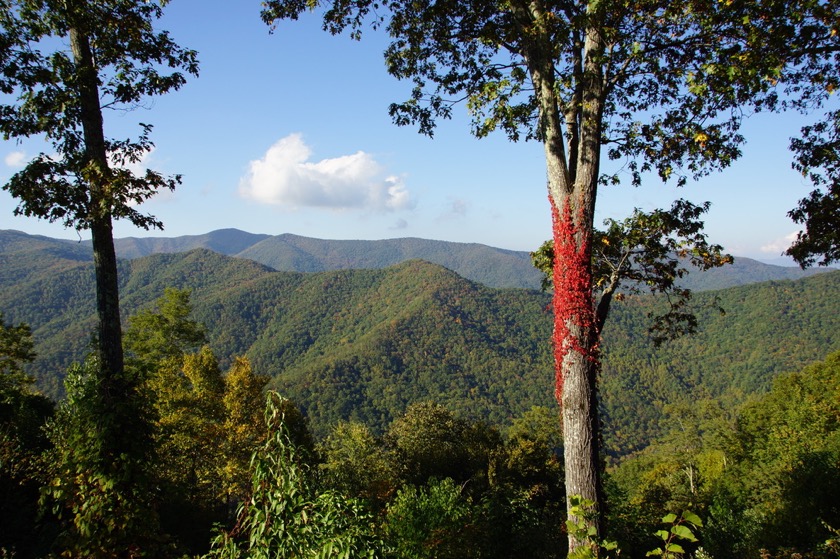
<point x="574" y="314"/>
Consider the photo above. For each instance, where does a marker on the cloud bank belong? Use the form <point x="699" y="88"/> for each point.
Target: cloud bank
<point x="778" y="246"/>
<point x="285" y="176"/>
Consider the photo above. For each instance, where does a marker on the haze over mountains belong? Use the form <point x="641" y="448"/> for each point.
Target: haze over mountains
<point x="364" y="343"/>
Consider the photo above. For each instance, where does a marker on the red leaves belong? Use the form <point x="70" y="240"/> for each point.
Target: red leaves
<point x="574" y="314"/>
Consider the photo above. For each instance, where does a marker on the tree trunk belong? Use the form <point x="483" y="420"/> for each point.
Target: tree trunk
<point x="576" y="362"/>
<point x="96" y="173"/>
<point x="107" y="299"/>
<point x="572" y="188"/>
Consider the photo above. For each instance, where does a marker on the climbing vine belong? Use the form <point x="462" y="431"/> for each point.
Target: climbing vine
<point x="574" y="314"/>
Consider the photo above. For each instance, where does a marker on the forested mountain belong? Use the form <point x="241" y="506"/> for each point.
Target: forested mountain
<point x="292" y="253"/>
<point x="493" y="267"/>
<point x="767" y="329"/>
<point x="224" y="241"/>
<point x="24" y="256"/>
<point x="365" y="343"/>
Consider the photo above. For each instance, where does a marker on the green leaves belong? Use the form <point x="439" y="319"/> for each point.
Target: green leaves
<point x="817" y="159"/>
<point x="681" y="530"/>
<point x="16" y="348"/>
<point x="433" y="520"/>
<point x="286" y="515"/>
<point x="99" y="480"/>
<point x="582" y="527"/>
<point x="165" y="332"/>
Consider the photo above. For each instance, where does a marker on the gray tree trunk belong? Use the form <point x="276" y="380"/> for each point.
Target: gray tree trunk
<point x="573" y="168"/>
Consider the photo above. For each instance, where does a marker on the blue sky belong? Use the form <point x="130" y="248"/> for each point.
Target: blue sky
<point x="289" y="133"/>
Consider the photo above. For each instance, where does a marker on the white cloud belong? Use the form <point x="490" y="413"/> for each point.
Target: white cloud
<point x="16" y="159"/>
<point x="285" y="176"/>
<point x="778" y="246"/>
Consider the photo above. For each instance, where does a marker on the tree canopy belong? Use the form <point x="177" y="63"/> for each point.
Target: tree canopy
<point x="125" y="59"/>
<point x="818" y="158"/>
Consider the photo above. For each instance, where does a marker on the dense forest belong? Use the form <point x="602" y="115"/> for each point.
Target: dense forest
<point x="398" y="399"/>
<point x="363" y="344"/>
<point x="424" y="397"/>
<point x="758" y="463"/>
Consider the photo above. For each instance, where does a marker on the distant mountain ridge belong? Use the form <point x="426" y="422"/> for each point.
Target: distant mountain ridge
<point x="363" y="344"/>
<point x="490" y="266"/>
<point x="229" y="242"/>
<point x="494" y="267"/>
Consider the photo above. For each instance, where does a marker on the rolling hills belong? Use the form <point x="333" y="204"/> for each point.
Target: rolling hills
<point x="363" y="344"/>
<point x="292" y="253"/>
<point x="493" y="267"/>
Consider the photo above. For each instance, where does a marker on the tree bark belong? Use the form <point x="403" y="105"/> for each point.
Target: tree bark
<point x="572" y="189"/>
<point x="96" y="173"/>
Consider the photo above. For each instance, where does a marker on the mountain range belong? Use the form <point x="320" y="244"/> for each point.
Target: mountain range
<point x="364" y="343"/>
<point x="491" y="266"/>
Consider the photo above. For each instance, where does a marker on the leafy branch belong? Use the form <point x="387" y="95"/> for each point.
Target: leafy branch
<point x="648" y="252"/>
<point x="681" y="530"/>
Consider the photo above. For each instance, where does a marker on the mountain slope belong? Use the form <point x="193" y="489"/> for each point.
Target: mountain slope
<point x="425" y="329"/>
<point x="744" y="271"/>
<point x="487" y="265"/>
<point x="24" y="256"/>
<point x="364" y="343"/>
<point x="224" y="241"/>
<point x="491" y="266"/>
<point x="768" y="328"/>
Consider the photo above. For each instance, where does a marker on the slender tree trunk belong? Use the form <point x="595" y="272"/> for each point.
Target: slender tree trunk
<point x="97" y="175"/>
<point x="121" y="432"/>
<point x="572" y="189"/>
<point x="576" y="360"/>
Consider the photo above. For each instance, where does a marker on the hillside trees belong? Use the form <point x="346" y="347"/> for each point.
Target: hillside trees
<point x="62" y="64"/>
<point x="445" y="485"/>
<point x="205" y="424"/>
<point x="286" y="513"/>
<point x="433" y="442"/>
<point x="166" y="332"/>
<point x="22" y="416"/>
<point x="655" y="83"/>
<point x="100" y="477"/>
<point x="764" y="476"/>
<point x="785" y="477"/>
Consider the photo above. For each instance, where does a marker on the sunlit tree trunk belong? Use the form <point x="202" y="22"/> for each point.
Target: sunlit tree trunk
<point x="573" y="167"/>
